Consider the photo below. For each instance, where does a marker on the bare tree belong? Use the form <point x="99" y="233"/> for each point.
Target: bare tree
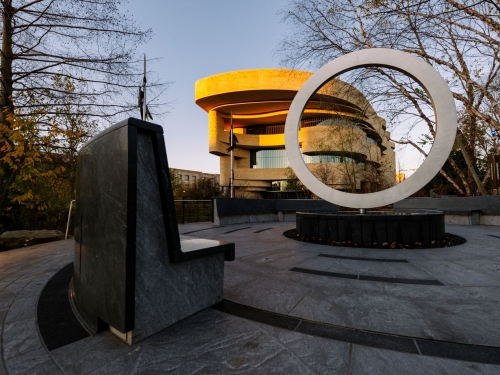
<point x="350" y="159"/>
<point x="461" y="40"/>
<point x="71" y="62"/>
<point x="90" y="41"/>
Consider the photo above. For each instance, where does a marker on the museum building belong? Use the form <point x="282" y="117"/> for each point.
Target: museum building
<point x="343" y="141"/>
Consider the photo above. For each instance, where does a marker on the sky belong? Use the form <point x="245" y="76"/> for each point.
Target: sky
<point x="196" y="39"/>
<point x="193" y="39"/>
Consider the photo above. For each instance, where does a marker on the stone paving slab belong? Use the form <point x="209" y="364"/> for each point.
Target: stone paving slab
<point x="368" y="361"/>
<point x="462" y="310"/>
<point x="373" y="312"/>
<point x="462" y="321"/>
<point x="215" y="343"/>
<point x="378" y="305"/>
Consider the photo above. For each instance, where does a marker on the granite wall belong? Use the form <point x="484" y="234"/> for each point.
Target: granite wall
<point x="488" y="206"/>
<point x="238" y="210"/>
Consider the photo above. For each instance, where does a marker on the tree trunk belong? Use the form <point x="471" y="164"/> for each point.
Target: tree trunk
<point x="460" y="174"/>
<point x="6" y="103"/>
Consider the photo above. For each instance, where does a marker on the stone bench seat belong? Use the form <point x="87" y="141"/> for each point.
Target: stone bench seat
<point x="199" y="247"/>
<point x="132" y="272"/>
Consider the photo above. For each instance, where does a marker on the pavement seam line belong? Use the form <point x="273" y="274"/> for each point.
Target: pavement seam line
<point x="362" y="259"/>
<point x="304" y="296"/>
<point x="419" y="352"/>
<point x="349" y="361"/>
<point x="262" y="230"/>
<point x="199" y="230"/>
<point x="423" y="320"/>
<point x="235" y="230"/>
<point x="420" y="268"/>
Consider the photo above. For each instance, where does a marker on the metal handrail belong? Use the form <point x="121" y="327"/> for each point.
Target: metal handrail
<point x="184" y="201"/>
<point x="69" y="218"/>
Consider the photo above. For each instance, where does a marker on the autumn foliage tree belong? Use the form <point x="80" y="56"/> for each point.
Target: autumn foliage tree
<point x="66" y="67"/>
<point x="41" y="150"/>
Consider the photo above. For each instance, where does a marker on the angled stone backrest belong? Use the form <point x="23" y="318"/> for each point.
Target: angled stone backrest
<point x="131" y="270"/>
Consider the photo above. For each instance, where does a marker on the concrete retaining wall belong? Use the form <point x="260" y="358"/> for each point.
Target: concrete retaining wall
<point x="488" y="206"/>
<point x="238" y="210"/>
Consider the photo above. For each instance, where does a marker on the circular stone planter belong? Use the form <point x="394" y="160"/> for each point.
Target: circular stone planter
<point x="402" y="227"/>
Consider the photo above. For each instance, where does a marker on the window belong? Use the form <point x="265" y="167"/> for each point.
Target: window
<point x="338" y="122"/>
<point x="268" y="158"/>
<point x="194" y="180"/>
<point x="265" y="129"/>
<point x="282" y="185"/>
<point x="186" y="179"/>
<point x="276" y="158"/>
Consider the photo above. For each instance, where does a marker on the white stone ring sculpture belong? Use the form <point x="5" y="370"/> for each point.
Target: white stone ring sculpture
<point x="444" y="109"/>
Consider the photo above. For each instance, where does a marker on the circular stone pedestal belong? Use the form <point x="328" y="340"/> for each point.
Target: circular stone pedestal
<point x="407" y="228"/>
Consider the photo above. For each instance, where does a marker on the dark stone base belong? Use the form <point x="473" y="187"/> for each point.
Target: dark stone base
<point x="449" y="240"/>
<point x="406" y="228"/>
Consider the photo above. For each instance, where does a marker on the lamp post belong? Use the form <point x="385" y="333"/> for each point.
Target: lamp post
<point x="231" y="180"/>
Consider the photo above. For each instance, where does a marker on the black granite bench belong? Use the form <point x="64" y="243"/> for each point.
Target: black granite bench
<point x="131" y="270"/>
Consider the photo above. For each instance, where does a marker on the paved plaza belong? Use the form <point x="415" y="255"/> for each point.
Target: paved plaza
<point x="289" y="308"/>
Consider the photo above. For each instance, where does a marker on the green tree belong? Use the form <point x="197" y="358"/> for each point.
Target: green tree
<point x="294" y="184"/>
<point x="176" y="183"/>
<point x="41" y="150"/>
<point x="206" y="188"/>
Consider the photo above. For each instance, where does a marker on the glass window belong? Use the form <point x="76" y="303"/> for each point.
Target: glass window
<point x="186" y="179"/>
<point x="276" y="158"/>
<point x="338" y="122"/>
<point x="268" y="158"/>
<point x="194" y="179"/>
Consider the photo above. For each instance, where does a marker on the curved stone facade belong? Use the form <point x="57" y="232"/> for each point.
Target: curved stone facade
<point x="342" y="139"/>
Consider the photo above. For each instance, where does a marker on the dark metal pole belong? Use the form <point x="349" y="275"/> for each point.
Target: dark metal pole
<point x="232" y="158"/>
<point x="183" y="211"/>
<point x="494" y="171"/>
<point x="212" y="210"/>
<point x="69" y="219"/>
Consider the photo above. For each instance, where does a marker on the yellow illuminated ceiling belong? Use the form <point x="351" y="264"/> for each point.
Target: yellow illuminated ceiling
<point x="263" y="96"/>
